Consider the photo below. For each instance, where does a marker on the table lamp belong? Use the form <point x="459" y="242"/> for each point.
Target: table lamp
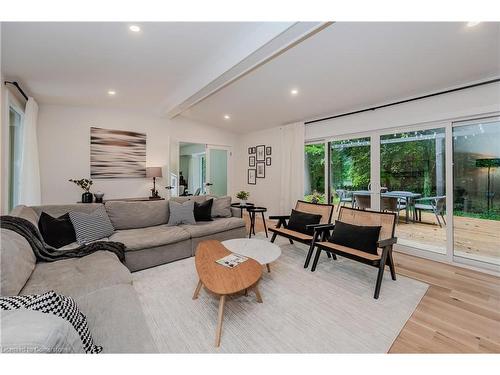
<point x="153" y="172"/>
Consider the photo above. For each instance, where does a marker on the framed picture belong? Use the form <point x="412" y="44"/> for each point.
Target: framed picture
<point x="268" y="161"/>
<point x="261" y="169"/>
<point x="251" y="150"/>
<point x="261" y="150"/>
<point x="251" y="161"/>
<point x="252" y="177"/>
<point x="268" y="151"/>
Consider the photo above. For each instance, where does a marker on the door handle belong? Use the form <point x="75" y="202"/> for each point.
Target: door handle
<point x="208" y="184"/>
<point x="169" y="187"/>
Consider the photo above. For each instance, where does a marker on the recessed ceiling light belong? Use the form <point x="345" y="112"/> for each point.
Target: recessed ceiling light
<point x="111" y="92"/>
<point x="294" y="91"/>
<point x="227" y="117"/>
<point x="134" y="28"/>
<point x="472" y="23"/>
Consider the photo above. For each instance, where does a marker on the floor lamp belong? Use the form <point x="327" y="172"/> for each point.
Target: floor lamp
<point x="488" y="163"/>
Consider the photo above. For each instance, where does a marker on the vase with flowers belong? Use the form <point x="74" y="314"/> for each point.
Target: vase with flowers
<point x="243" y="197"/>
<point x="85" y="184"/>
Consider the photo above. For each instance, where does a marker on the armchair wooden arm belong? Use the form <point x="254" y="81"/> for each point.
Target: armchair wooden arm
<point x="387" y="242"/>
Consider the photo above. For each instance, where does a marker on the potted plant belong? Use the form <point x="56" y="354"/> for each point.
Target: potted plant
<point x="243" y="197"/>
<point x="85" y="184"/>
<point x="316" y="197"/>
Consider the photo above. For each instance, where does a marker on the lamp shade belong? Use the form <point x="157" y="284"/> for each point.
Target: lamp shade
<point x="153" y="172"/>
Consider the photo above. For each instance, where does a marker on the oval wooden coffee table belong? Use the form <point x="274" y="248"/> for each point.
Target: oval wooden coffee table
<point x="222" y="280"/>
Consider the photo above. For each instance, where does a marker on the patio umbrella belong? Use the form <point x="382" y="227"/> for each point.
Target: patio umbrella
<point x="488" y="163"/>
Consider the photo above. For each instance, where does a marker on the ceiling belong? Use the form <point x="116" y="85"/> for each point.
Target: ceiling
<point x="344" y="67"/>
<point x="350" y="66"/>
<point x="77" y="63"/>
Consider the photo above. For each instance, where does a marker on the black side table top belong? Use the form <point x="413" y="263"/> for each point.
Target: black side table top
<point x="239" y="205"/>
<point x="257" y="209"/>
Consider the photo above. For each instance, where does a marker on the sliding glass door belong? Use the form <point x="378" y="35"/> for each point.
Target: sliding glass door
<point x="476" y="190"/>
<point x="413" y="185"/>
<point x="314" y="173"/>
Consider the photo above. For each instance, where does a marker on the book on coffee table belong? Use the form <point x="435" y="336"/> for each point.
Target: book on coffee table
<point x="231" y="260"/>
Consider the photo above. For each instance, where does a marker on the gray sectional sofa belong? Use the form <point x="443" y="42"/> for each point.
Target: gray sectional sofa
<point x="100" y="284"/>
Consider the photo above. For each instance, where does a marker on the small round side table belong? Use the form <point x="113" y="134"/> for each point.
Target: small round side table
<point x="242" y="207"/>
<point x="252" y="211"/>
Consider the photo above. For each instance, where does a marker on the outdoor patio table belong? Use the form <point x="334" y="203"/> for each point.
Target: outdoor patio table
<point x="407" y="195"/>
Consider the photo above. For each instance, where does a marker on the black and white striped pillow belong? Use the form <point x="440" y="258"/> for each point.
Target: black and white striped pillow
<point x="91" y="227"/>
<point x="56" y="304"/>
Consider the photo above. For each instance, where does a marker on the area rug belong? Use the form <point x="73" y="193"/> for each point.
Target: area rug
<point x="329" y="311"/>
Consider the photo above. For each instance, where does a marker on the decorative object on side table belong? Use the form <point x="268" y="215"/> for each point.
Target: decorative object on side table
<point x="154" y="172"/>
<point x="85" y="184"/>
<point x="98" y="197"/>
<point x="243" y="197"/>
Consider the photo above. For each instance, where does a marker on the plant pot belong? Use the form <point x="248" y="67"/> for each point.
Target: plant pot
<point x="87" y="197"/>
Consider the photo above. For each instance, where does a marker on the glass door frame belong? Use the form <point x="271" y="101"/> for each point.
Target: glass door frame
<point x="375" y="136"/>
<point x="208" y="172"/>
<point x="326" y="144"/>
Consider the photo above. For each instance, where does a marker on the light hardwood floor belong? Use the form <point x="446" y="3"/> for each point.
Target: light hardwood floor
<point x="460" y="313"/>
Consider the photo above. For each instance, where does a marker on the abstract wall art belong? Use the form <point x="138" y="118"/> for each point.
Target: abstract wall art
<point x="117" y="154"/>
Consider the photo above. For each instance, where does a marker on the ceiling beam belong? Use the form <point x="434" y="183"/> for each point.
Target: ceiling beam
<point x="289" y="38"/>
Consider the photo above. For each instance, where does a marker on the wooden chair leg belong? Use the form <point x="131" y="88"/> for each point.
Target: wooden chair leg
<point x="273" y="238"/>
<point x="390" y="261"/>
<point x="264" y="222"/>
<point x="291" y="241"/>
<point x="309" y="255"/>
<point x="380" y="275"/>
<point x="316" y="258"/>
<point x="328" y="255"/>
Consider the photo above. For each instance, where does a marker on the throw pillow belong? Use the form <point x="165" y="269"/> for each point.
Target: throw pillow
<point x="203" y="211"/>
<point x="181" y="213"/>
<point x="298" y="221"/>
<point x="91" y="227"/>
<point x="221" y="207"/>
<point x="56" y="231"/>
<point x="358" y="237"/>
<point x="59" y="305"/>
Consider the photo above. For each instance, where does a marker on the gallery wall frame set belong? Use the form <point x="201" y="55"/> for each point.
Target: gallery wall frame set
<point x="259" y="158"/>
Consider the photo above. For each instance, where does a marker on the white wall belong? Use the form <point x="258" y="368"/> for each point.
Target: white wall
<point x="64" y="144"/>
<point x="267" y="190"/>
<point x="469" y="102"/>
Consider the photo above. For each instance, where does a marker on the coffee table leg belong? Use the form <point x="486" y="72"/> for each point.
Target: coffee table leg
<point x="197" y="290"/>
<point x="268" y="268"/>
<point x="257" y="293"/>
<point x="222" y="301"/>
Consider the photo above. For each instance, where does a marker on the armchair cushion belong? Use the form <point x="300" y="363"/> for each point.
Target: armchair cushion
<point x="300" y="220"/>
<point x="358" y="237"/>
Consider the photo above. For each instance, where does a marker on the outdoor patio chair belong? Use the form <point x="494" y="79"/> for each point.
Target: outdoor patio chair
<point x="391" y="204"/>
<point x="362" y="202"/>
<point x="325" y="210"/>
<point x="387" y="222"/>
<point x="345" y="196"/>
<point x="437" y="205"/>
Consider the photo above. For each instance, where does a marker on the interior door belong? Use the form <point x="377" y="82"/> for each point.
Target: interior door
<point x="217" y="173"/>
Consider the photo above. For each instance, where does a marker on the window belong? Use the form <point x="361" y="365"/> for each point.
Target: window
<point x="314" y="162"/>
<point x="15" y="145"/>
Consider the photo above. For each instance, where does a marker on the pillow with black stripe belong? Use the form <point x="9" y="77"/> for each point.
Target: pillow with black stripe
<point x="56" y="304"/>
<point x="91" y="227"/>
<point x="56" y="231"/>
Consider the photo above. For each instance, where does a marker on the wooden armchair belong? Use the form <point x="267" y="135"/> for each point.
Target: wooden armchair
<point x="387" y="221"/>
<point x="325" y="210"/>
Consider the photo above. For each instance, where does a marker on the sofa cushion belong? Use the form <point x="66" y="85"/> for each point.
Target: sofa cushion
<point x="116" y="319"/>
<point x="221" y="207"/>
<point x="203" y="211"/>
<point x="56" y="231"/>
<point x="194" y="198"/>
<point x="78" y="276"/>
<point x="207" y="228"/>
<point x="181" y="213"/>
<point x="17" y="262"/>
<point x="143" y="238"/>
<point x="131" y="215"/>
<point x="61" y="209"/>
<point x="29" y="331"/>
<point x="91" y="227"/>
